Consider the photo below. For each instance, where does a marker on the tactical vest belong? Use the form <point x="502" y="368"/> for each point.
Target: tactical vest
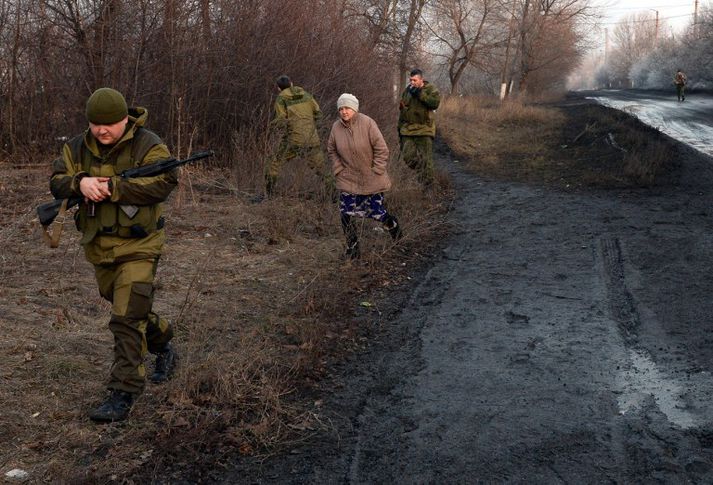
<point x="111" y="218"/>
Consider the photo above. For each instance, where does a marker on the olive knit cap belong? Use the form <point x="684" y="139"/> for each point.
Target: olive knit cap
<point x="106" y="106"/>
<point x="348" y="100"/>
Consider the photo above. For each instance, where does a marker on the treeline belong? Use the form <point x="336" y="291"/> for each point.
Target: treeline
<point x="641" y="57"/>
<point x="205" y="69"/>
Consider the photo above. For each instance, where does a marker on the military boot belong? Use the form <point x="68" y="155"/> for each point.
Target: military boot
<point x="165" y="364"/>
<point x="115" y="407"/>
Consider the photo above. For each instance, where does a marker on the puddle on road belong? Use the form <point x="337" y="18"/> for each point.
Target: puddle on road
<point x="643" y="380"/>
<point x="692" y="133"/>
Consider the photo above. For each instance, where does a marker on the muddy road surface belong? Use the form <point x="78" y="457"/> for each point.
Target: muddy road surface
<point x="690" y="121"/>
<point x="558" y="337"/>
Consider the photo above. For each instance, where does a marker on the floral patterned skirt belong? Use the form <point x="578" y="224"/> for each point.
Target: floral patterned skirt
<point x="356" y="205"/>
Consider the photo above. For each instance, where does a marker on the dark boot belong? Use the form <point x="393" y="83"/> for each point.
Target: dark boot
<point x="352" y="251"/>
<point x="392" y="224"/>
<point x="350" y="232"/>
<point x="115" y="407"/>
<point x="165" y="365"/>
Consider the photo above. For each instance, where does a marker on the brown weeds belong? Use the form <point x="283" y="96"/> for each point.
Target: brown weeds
<point x="568" y="146"/>
<point x="262" y="302"/>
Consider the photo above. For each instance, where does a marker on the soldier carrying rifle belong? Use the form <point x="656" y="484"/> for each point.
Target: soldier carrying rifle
<point x="123" y="236"/>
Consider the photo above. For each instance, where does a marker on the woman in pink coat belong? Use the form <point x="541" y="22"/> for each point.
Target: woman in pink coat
<point x="359" y="156"/>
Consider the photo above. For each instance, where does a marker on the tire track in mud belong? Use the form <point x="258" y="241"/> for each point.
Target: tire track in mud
<point x="429" y="291"/>
<point x="641" y="379"/>
<point x="621" y="302"/>
<point x="377" y="422"/>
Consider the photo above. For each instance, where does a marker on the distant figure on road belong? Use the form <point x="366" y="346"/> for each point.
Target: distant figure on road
<point x="123" y="236"/>
<point x="417" y="128"/>
<point x="296" y="114"/>
<point x="680" y="81"/>
<point x="359" y="156"/>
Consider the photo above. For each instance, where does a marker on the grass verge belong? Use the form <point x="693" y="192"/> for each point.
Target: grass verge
<point x="567" y="144"/>
<point x="263" y="304"/>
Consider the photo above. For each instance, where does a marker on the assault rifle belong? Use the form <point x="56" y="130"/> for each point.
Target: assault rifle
<point x="48" y="212"/>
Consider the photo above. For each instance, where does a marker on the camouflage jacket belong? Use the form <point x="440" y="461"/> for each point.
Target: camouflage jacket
<point x="129" y="225"/>
<point x="296" y="113"/>
<point x="416" y="111"/>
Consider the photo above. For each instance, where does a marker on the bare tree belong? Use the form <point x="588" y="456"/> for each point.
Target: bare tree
<point x="415" y="12"/>
<point x="466" y="33"/>
<point x="394" y="28"/>
<point x="549" y="40"/>
<point x="13" y="70"/>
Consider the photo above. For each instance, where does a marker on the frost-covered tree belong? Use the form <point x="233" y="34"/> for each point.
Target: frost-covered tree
<point x="634" y="38"/>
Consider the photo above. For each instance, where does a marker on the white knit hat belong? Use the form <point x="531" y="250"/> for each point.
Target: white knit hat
<point x="348" y="100"/>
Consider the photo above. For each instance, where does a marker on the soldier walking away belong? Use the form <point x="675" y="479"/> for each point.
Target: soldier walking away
<point x="680" y="81"/>
<point x="359" y="157"/>
<point x="123" y="237"/>
<point x="417" y="127"/>
<point x="296" y="114"/>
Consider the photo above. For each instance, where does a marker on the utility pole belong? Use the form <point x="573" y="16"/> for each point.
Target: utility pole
<point x="656" y="32"/>
<point x="657" y="27"/>
<point x="606" y="56"/>
<point x="504" y="74"/>
<point x="695" y="20"/>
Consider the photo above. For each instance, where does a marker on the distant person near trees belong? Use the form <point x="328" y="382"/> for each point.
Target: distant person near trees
<point x="680" y="81"/>
<point x="296" y="114"/>
<point x="417" y="127"/>
<point x="123" y="236"/>
<point x="359" y="157"/>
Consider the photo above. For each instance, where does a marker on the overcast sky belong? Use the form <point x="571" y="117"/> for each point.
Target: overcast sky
<point x="676" y="13"/>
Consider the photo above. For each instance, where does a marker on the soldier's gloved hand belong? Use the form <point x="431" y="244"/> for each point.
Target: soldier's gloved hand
<point x="414" y="91"/>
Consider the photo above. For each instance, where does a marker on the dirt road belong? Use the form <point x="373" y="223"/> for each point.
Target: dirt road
<point x="559" y="337"/>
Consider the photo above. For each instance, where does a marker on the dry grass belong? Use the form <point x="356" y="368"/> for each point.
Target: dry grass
<point x="262" y="302"/>
<point x="499" y="139"/>
<point x="565" y="145"/>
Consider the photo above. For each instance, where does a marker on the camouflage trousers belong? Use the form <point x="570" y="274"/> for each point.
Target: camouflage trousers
<point x="680" y="91"/>
<point x="137" y="330"/>
<point x="287" y="152"/>
<point x="417" y="153"/>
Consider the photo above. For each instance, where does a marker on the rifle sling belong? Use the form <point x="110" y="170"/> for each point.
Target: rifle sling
<point x="52" y="239"/>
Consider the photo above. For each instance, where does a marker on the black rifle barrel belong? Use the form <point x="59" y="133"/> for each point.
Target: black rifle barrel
<point x="162" y="166"/>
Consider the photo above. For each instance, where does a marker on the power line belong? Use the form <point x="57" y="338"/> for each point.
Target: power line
<point x="642" y="20"/>
<point x="648" y="7"/>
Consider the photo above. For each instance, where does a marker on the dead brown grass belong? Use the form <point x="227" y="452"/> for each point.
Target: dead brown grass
<point x="568" y="145"/>
<point x="263" y="304"/>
